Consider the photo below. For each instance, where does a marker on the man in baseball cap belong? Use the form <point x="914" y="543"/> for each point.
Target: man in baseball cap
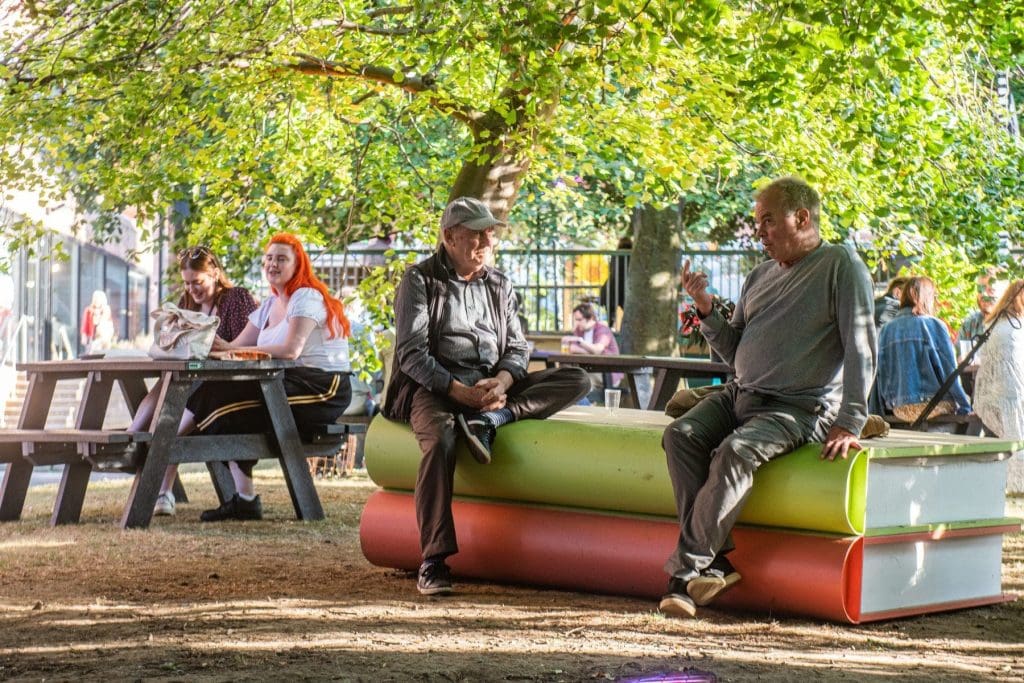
<point x="460" y="369"/>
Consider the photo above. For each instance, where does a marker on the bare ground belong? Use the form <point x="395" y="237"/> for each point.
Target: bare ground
<point x="285" y="599"/>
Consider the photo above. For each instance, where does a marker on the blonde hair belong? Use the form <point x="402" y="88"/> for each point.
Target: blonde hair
<point x="1012" y="301"/>
<point x="914" y="295"/>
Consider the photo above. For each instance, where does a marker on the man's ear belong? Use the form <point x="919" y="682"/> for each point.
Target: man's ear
<point x="803" y="218"/>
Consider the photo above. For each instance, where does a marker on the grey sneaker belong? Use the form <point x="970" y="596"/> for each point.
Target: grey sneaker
<point x="714" y="580"/>
<point x="164" y="504"/>
<point x="675" y="602"/>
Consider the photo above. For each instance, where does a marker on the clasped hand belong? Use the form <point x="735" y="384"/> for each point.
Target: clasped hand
<point x="486" y="394"/>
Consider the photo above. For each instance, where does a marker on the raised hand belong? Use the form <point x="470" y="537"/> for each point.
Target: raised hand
<point x="696" y="285"/>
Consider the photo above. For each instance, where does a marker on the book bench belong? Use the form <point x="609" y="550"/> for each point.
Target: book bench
<point x="912" y="523"/>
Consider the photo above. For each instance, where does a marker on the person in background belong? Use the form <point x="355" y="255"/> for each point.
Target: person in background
<point x="590" y="335"/>
<point x="299" y="321"/>
<point x="915" y="355"/>
<point x="613" y="291"/>
<point x="207" y="289"/>
<point x="999" y="385"/>
<point x="974" y="324"/>
<point x="888" y="305"/>
<point x="97" y="324"/>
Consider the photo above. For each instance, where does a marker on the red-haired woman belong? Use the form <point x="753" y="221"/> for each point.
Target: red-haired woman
<point x="300" y="321"/>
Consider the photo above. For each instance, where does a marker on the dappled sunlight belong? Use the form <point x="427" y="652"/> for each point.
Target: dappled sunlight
<point x="34" y="543"/>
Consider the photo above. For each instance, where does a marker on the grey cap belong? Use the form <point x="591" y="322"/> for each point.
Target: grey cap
<point x="470" y="213"/>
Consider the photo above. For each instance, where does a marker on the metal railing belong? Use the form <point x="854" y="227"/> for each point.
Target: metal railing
<point x="552" y="281"/>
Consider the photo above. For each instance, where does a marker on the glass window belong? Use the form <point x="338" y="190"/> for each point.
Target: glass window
<point x="63" y="300"/>
<point x="117" y="295"/>
<point x="138" y="304"/>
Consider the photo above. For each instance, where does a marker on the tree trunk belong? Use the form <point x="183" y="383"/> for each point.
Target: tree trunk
<point x="495" y="181"/>
<point x="649" y="320"/>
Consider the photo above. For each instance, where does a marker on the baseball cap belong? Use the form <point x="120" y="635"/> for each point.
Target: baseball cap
<point x="468" y="212"/>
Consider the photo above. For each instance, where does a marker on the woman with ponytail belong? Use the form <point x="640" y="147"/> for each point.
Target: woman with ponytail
<point x="300" y="321"/>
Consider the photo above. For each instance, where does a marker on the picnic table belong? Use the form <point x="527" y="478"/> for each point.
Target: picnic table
<point x="87" y="445"/>
<point x="667" y="372"/>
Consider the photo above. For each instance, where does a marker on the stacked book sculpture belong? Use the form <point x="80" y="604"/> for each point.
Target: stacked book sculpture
<point x="582" y="501"/>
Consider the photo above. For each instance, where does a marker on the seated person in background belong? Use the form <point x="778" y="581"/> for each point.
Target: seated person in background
<point x="299" y="321"/>
<point x="207" y="290"/>
<point x="888" y="305"/>
<point x="974" y="324"/>
<point x="915" y="355"/>
<point x="590" y="335"/>
<point x="999" y="386"/>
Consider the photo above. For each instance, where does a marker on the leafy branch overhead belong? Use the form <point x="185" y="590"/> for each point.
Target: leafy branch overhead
<point x="349" y="119"/>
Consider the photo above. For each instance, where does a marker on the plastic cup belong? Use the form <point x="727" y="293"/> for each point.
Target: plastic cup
<point x="612" y="398"/>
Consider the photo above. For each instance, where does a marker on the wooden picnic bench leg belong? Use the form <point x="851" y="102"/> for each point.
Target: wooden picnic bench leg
<point x="74" y="480"/>
<point x="633" y="399"/>
<point x="665" y="386"/>
<point x="223" y="482"/>
<point x="13" y="489"/>
<point x="134" y="390"/>
<point x="170" y="406"/>
<point x="290" y="451"/>
<point x="19" y="473"/>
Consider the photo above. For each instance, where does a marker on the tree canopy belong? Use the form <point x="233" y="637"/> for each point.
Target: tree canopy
<point x="348" y="119"/>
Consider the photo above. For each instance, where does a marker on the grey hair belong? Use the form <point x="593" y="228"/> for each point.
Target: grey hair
<point x="795" y="194"/>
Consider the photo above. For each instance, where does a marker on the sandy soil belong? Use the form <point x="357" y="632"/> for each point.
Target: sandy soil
<point x="284" y="599"/>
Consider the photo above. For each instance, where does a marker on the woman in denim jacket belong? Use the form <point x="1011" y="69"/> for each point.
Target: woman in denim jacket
<point x="915" y="355"/>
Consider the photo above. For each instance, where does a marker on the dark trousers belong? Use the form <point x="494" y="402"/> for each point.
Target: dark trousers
<point x="712" y="452"/>
<point x="538" y="395"/>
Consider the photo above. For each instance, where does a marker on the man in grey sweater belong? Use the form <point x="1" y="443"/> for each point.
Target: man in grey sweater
<point x="802" y="342"/>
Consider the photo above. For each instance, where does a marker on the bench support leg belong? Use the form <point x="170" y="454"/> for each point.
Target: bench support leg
<point x="13" y="490"/>
<point x="292" y="455"/>
<point x="178" y="489"/>
<point x="223" y="483"/>
<point x="71" y="494"/>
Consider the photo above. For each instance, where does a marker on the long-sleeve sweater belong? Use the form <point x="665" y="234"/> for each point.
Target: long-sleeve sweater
<point x="804" y="334"/>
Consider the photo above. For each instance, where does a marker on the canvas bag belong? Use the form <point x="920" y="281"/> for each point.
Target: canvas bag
<point x="181" y="334"/>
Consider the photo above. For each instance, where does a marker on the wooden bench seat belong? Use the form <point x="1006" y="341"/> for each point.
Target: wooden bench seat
<point x="104" y="448"/>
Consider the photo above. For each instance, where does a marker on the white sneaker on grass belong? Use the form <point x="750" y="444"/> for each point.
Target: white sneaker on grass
<point x="164" y="504"/>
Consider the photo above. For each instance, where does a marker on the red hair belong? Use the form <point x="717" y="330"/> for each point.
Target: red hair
<point x="337" y="322"/>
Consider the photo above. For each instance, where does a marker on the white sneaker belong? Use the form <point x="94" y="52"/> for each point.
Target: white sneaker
<point x="164" y="504"/>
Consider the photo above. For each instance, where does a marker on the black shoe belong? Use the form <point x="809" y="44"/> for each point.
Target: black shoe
<point x="675" y="602"/>
<point x="714" y="580"/>
<point x="234" y="508"/>
<point x="435" y="578"/>
<point x="479" y="435"/>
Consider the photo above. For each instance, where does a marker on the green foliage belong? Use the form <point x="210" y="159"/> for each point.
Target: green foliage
<point x="344" y="120"/>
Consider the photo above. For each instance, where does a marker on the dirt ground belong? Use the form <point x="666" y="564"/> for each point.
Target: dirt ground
<point x="283" y="599"/>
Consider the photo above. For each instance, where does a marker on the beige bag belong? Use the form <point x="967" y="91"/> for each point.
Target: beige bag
<point x="180" y="334"/>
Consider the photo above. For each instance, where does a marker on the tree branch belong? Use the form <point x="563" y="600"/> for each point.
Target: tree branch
<point x="410" y="83"/>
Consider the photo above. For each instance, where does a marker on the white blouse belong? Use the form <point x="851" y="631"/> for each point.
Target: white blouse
<point x="321" y="351"/>
<point x="999" y="385"/>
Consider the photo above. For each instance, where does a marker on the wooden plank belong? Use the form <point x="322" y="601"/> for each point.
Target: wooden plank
<point x="221" y="448"/>
<point x="109" y="436"/>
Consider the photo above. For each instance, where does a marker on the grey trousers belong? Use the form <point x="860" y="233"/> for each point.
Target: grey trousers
<point x="712" y="452"/>
<point x="538" y="395"/>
